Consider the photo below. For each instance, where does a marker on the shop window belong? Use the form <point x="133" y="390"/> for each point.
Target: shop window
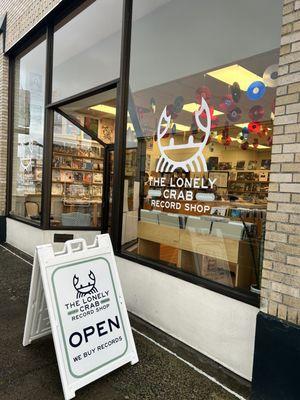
<point x="203" y="79"/>
<point x="77" y="177"/>
<point x="87" y="48"/>
<point x="28" y="130"/>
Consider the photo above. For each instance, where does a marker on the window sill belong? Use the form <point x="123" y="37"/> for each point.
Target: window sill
<point x="36" y="224"/>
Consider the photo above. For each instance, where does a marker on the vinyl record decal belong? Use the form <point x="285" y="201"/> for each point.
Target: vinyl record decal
<point x="235" y="114"/>
<point x="256" y="113"/>
<point x="178" y="104"/>
<point x="171" y="111"/>
<point x="214" y="118"/>
<point x="256" y="90"/>
<point x="226" y="103"/>
<point x="270" y="75"/>
<point x="241" y="138"/>
<point x="254" y="127"/>
<point x="244" y="146"/>
<point x="236" y="92"/>
<point x="153" y="105"/>
<point x="255" y="143"/>
<point x="225" y="140"/>
<point x="203" y="91"/>
<point x="245" y="132"/>
<point x="194" y="128"/>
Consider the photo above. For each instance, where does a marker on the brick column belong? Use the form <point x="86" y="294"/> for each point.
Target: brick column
<point x="280" y="294"/>
<point x="277" y="353"/>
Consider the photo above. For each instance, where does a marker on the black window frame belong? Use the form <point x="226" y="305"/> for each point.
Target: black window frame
<point x="46" y="26"/>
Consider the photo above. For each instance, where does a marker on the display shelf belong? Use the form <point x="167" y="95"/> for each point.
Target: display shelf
<point x="77" y="156"/>
<point x="235" y="254"/>
<point x="79" y="183"/>
<point x="94" y="171"/>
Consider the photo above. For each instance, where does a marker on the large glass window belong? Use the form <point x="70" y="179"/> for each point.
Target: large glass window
<point x="203" y="77"/>
<point x="28" y="130"/>
<point x="87" y="48"/>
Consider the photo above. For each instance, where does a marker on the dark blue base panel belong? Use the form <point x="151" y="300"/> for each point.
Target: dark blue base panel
<point x="276" y="369"/>
<point x="2" y="229"/>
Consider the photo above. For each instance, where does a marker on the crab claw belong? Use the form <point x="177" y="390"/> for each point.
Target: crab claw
<point x="92" y="276"/>
<point x="167" y="118"/>
<point x="75" y="280"/>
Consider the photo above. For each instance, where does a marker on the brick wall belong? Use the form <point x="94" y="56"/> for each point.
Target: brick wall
<point x="21" y="16"/>
<point x="280" y="295"/>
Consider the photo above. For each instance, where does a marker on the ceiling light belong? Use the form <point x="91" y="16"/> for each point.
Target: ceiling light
<point x="179" y="127"/>
<point x="130" y="125"/>
<point x="244" y="125"/>
<point x="260" y="146"/>
<point x="192" y="107"/>
<point x="235" y="73"/>
<point x="105" y="109"/>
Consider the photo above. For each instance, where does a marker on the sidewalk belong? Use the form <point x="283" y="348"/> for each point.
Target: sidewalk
<point x="32" y="372"/>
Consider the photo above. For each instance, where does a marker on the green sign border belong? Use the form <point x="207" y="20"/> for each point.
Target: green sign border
<point x="66" y="265"/>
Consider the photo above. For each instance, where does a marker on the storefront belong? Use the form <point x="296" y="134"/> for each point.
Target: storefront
<point x="153" y="122"/>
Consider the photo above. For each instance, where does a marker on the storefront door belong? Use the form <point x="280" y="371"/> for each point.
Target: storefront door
<point x="82" y="161"/>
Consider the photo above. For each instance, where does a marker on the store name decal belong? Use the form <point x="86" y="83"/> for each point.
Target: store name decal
<point x="176" y="190"/>
<point x="173" y="191"/>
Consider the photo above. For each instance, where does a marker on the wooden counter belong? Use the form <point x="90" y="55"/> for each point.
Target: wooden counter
<point x="195" y="249"/>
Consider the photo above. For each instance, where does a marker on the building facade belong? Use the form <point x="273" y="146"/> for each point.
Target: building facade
<point x="180" y="137"/>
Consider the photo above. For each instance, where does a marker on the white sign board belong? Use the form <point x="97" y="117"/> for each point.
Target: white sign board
<point x="87" y="313"/>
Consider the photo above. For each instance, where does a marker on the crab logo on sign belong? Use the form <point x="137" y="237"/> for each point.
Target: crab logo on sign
<point x="169" y="160"/>
<point x="89" y="288"/>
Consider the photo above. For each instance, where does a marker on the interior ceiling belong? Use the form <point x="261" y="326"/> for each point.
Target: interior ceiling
<point x="83" y="106"/>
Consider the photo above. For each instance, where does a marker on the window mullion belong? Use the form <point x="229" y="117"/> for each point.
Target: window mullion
<point x="48" y="134"/>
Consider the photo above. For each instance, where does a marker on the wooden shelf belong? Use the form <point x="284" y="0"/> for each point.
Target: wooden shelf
<point x="78" y="183"/>
<point x="76" y="156"/>
<point x="235" y="254"/>
<point x="80" y="170"/>
<point x="80" y="199"/>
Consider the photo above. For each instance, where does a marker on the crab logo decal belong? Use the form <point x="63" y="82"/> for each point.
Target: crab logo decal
<point x="170" y="160"/>
<point x="89" y="288"/>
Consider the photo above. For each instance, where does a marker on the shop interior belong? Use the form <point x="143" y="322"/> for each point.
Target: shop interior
<point x="222" y="242"/>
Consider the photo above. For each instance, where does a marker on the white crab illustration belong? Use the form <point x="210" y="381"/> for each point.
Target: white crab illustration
<point x="166" y="162"/>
